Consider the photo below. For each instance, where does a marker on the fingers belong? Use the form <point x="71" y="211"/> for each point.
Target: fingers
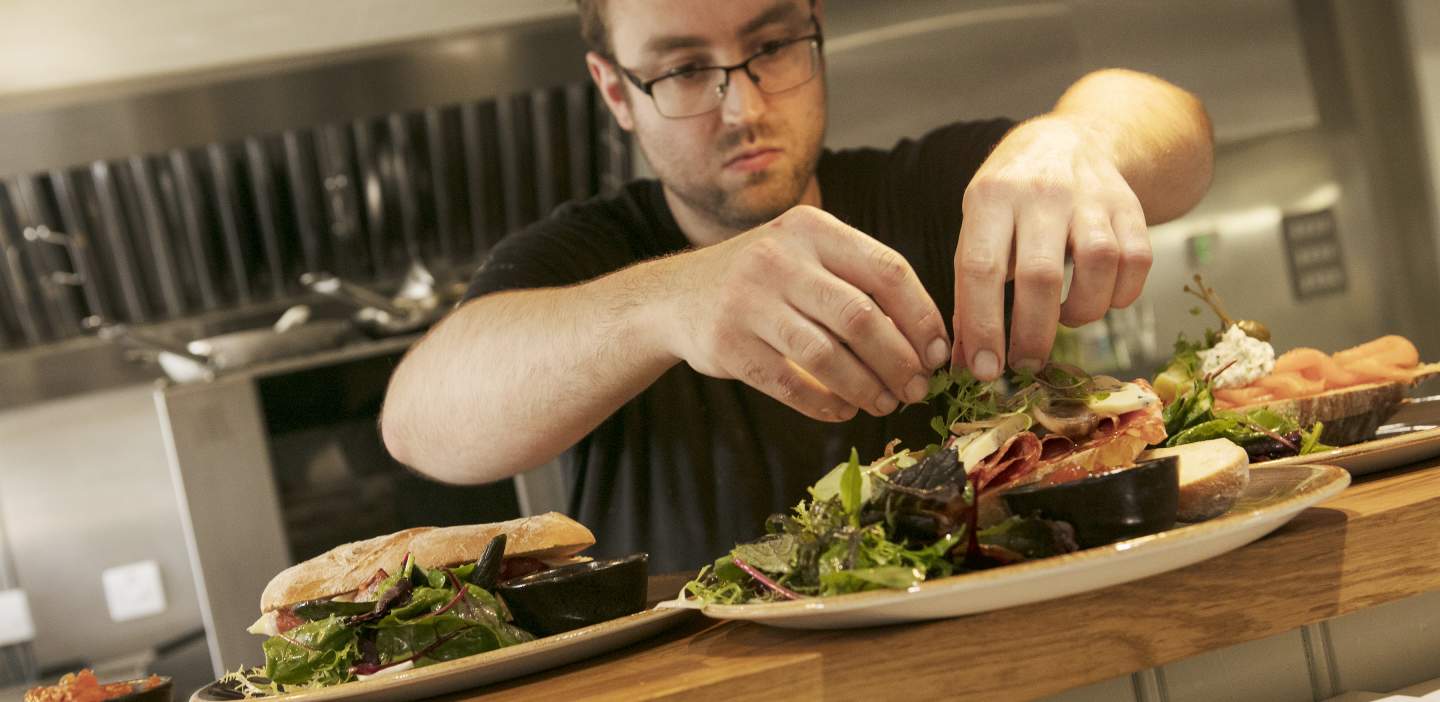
<point x="826" y="359"/>
<point x="981" y="262"/>
<point x="884" y="275"/>
<point x="1041" y="233"/>
<point x="1096" y="254"/>
<point x="885" y="356"/>
<point x="1135" y="255"/>
<point x="764" y="368"/>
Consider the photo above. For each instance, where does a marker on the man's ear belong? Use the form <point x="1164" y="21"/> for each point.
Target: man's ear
<point x="612" y="87"/>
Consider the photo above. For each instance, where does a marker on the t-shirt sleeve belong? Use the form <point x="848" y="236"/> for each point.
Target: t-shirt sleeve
<point x="567" y="248"/>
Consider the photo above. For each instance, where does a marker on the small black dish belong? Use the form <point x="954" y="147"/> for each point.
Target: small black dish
<point x="569" y="597"/>
<point x="1108" y="507"/>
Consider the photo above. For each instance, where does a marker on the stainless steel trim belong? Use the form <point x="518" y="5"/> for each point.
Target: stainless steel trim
<point x="299" y="173"/>
<point x="116" y="246"/>
<point x="440" y="184"/>
<point x="191" y="201"/>
<point x="264" y="192"/>
<point x="226" y="200"/>
<point x="157" y="235"/>
<point x="115" y="121"/>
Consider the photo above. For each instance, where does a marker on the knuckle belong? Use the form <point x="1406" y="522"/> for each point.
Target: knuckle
<point x="890" y="266"/>
<point x="1041" y="273"/>
<point x="986" y="189"/>
<point x="811" y="350"/>
<point x="787" y="388"/>
<point x="1139" y="257"/>
<point x="767" y="256"/>
<point x="1049" y="189"/>
<point x="1103" y="250"/>
<point x="857" y="315"/>
<point x="980" y="265"/>
<point x="985" y="328"/>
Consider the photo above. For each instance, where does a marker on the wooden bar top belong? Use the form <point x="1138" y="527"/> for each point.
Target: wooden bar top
<point x="1376" y="542"/>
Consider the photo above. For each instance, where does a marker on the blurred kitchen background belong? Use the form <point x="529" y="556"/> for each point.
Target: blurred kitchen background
<point x="170" y="170"/>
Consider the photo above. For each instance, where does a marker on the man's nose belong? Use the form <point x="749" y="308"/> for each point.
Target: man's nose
<point x="743" y="101"/>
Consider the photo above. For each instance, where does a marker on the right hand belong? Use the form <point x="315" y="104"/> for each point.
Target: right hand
<point x="813" y="313"/>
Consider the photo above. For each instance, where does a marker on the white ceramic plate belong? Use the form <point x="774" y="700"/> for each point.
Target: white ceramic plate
<point x="1275" y="495"/>
<point x="485" y="668"/>
<point x="1377" y="454"/>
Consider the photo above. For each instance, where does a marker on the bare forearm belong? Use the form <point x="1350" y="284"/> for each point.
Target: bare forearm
<point x="510" y="380"/>
<point x="1160" y="136"/>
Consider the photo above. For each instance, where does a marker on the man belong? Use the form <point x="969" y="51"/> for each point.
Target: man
<point x="703" y="346"/>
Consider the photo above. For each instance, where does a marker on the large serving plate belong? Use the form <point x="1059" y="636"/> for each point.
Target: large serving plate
<point x="484" y="668"/>
<point x="1273" y="497"/>
<point x="1400" y="445"/>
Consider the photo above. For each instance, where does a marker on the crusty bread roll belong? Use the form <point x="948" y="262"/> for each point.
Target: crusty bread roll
<point x="346" y="568"/>
<point x="1212" y="475"/>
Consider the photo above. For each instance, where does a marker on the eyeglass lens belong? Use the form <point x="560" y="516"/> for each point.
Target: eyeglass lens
<point x="697" y="92"/>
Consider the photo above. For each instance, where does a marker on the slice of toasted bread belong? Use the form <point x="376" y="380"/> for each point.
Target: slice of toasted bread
<point x="1352" y="414"/>
<point x="1212" y="475"/>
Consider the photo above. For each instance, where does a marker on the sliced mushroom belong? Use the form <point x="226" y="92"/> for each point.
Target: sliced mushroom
<point x="1072" y="420"/>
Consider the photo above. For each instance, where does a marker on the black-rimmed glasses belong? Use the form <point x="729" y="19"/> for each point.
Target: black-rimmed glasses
<point x="775" y="68"/>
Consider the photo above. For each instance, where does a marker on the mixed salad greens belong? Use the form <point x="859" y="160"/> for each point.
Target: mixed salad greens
<point x="1191" y="415"/>
<point x="420" y="616"/>
<point x="904" y="518"/>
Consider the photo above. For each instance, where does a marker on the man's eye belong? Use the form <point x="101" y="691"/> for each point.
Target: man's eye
<point x="690" y="76"/>
<point x="771" y="47"/>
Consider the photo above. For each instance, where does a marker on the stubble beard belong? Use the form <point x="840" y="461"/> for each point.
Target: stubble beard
<point x="761" y="197"/>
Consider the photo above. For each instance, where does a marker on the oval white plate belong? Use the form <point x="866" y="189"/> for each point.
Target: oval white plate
<point x="485" y="668"/>
<point x="1374" y="455"/>
<point x="1274" y="496"/>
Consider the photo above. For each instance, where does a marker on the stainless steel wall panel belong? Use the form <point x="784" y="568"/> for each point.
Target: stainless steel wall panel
<point x="227" y="202"/>
<point x="300" y="176"/>
<point x="437" y="143"/>
<point x="115" y="245"/>
<point x="482" y="175"/>
<point x="75" y="223"/>
<point x="152" y="116"/>
<point x="23" y="309"/>
<point x="373" y="188"/>
<point x="262" y="186"/>
<point x="339" y="178"/>
<point x="155" y="231"/>
<point x="191" y="202"/>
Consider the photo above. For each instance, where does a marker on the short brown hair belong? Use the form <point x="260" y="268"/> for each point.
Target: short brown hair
<point x="592" y="26"/>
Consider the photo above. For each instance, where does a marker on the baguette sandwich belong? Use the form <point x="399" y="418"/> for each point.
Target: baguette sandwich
<point x="403" y="600"/>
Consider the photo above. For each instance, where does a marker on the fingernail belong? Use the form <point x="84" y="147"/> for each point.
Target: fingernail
<point x="915" y="389"/>
<point x="887" y="403"/>
<point x="1028" y="364"/>
<point x="985" y="365"/>
<point x="937" y="353"/>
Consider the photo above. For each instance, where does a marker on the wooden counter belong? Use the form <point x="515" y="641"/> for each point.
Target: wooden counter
<point x="1378" y="541"/>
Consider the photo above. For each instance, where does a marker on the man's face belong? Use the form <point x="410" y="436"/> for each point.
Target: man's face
<point x="752" y="157"/>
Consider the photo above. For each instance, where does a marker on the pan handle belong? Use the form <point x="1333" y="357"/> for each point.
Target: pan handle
<point x="119" y="332"/>
<point x="349" y="293"/>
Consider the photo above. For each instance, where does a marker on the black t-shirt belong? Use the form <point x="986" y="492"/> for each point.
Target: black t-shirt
<point x="694" y="464"/>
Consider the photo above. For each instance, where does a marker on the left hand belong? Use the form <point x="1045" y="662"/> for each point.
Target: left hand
<point x="1050" y="189"/>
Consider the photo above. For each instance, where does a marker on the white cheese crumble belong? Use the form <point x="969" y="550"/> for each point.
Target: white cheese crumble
<point x="1252" y="358"/>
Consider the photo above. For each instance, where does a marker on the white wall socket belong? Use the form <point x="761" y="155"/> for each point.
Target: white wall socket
<point x="133" y="590"/>
<point x="16" y="626"/>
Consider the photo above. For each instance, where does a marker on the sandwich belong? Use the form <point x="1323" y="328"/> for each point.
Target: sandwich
<point x="403" y="600"/>
<point x="918" y="513"/>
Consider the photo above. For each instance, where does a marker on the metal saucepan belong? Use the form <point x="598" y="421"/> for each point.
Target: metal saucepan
<point x="203" y="359"/>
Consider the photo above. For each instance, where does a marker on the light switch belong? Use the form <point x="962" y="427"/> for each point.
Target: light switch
<point x="16" y="626"/>
<point x="133" y="590"/>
